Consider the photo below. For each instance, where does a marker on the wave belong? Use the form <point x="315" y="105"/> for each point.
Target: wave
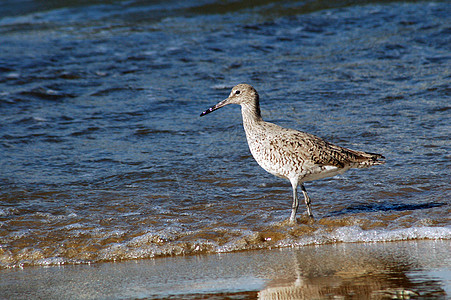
<point x="152" y="245"/>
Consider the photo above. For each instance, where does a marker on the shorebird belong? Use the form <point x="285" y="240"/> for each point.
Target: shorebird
<point x="292" y="154"/>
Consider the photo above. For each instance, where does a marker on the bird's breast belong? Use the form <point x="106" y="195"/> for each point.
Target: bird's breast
<point x="273" y="158"/>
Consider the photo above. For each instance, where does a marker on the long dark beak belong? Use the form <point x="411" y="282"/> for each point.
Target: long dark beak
<point x="215" y="107"/>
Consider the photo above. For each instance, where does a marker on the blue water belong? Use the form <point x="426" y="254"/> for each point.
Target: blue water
<point x="104" y="156"/>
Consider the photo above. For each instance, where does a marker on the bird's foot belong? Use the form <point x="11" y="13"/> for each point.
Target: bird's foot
<point x="292" y="221"/>
<point x="307" y="219"/>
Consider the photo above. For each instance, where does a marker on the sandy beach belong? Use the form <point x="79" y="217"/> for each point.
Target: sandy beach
<point x="399" y="270"/>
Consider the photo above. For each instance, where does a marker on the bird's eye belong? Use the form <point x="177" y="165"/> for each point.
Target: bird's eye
<point x="237" y="92"/>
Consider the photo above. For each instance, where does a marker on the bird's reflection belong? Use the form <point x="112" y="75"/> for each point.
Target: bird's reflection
<point x="362" y="274"/>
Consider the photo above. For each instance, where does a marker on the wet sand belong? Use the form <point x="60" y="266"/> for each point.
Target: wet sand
<point x="415" y="269"/>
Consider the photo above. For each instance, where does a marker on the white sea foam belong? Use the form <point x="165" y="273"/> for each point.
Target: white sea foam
<point x="354" y="234"/>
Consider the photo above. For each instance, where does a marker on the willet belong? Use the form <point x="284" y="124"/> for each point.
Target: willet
<point x="291" y="154"/>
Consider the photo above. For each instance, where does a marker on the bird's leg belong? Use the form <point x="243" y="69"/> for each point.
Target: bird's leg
<point x="307" y="201"/>
<point x="294" y="206"/>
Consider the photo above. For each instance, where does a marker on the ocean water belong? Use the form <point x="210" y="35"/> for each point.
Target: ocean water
<point x="103" y="155"/>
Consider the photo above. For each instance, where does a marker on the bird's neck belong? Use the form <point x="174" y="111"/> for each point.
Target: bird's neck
<point x="251" y="115"/>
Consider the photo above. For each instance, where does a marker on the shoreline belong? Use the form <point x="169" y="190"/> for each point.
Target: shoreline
<point x="275" y="236"/>
<point x="378" y="270"/>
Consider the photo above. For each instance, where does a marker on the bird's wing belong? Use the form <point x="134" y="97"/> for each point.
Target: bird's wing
<point x="320" y="152"/>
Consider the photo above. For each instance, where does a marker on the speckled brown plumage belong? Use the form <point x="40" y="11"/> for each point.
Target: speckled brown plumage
<point x="291" y="154"/>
